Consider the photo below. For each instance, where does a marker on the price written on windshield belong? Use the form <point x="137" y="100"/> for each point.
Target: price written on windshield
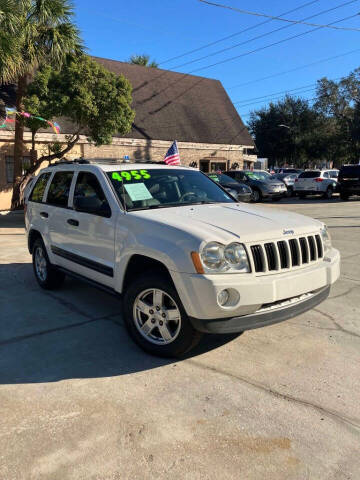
<point x="130" y="174"/>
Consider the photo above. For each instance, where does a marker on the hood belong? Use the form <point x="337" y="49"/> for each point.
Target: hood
<point x="232" y="222"/>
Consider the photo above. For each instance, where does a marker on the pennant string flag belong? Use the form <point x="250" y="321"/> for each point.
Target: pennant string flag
<point x="12" y="111"/>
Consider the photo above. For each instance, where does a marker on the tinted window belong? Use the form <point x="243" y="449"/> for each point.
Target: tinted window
<point x="326" y="175"/>
<point x="350" y="171"/>
<point x="58" y="193"/>
<point x="334" y="174"/>
<point x="262" y="176"/>
<point x="309" y="174"/>
<point x="87" y="185"/>
<point x="221" y="178"/>
<point x="39" y="189"/>
<point x="165" y="188"/>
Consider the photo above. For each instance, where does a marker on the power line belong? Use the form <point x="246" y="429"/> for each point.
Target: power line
<point x="282" y="92"/>
<point x="235" y="34"/>
<point x="298" y="22"/>
<point x="269" y="45"/>
<point x="244" y="115"/>
<point x="265" y="35"/>
<point x="270" y="99"/>
<point x="251" y="82"/>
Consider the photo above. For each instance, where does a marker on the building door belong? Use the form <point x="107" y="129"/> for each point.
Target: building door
<point x="204" y="166"/>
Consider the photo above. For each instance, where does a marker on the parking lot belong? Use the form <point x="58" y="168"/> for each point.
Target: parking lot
<point x="78" y="400"/>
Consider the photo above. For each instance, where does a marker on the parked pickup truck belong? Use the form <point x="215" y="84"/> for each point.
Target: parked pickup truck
<point x="184" y="255"/>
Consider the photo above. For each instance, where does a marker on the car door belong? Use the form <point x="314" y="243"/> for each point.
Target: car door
<point x="91" y="236"/>
<point x="57" y="202"/>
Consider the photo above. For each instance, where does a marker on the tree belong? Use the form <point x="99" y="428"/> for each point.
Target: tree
<point x="340" y="103"/>
<point x="143" y="60"/>
<point x="285" y="131"/>
<point x="39" y="32"/>
<point x="96" y="101"/>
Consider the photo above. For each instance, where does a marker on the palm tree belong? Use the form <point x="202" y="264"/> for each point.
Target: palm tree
<point x="143" y="60"/>
<point x="37" y="32"/>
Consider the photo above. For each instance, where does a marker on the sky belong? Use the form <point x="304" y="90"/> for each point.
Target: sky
<point x="165" y="29"/>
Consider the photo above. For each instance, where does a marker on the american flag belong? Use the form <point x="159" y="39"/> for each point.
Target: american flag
<point x="172" y="156"/>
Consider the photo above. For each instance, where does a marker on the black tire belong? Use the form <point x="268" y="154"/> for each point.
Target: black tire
<point x="329" y="193"/>
<point x="185" y="336"/>
<point x="256" y="195"/>
<point x="344" y="196"/>
<point x="302" y="196"/>
<point x="50" y="278"/>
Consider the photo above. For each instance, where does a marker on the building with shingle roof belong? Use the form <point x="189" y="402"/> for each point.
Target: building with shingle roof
<point x="195" y="111"/>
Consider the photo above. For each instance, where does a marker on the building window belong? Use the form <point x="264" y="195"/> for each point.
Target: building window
<point x="9" y="163"/>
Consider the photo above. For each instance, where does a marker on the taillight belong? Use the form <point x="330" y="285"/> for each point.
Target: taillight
<point x="318" y="180"/>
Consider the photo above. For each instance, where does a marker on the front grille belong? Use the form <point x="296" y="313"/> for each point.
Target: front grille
<point x="285" y="254"/>
<point x="257" y="255"/>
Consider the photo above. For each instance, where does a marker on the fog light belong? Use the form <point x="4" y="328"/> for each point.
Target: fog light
<point x="223" y="297"/>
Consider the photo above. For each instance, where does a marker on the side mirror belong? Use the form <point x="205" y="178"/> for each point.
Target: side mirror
<point x="92" y="205"/>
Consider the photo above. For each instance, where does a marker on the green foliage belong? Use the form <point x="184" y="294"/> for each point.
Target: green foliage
<point x="340" y="101"/>
<point x="143" y="60"/>
<point x="94" y="99"/>
<point x="34" y="33"/>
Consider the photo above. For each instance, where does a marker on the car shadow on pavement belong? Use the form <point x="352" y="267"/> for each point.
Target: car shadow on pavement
<point x="74" y="332"/>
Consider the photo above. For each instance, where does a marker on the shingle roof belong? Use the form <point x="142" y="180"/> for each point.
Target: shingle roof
<point x="171" y="105"/>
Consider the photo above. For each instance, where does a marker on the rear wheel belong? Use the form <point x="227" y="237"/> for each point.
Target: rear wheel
<point x="156" y="319"/>
<point x="47" y="276"/>
<point x="329" y="193"/>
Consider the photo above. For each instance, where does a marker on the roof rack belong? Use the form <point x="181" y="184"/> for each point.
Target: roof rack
<point x="69" y="162"/>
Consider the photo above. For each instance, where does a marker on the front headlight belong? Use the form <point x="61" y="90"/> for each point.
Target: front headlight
<point x="218" y="258"/>
<point x="325" y="235"/>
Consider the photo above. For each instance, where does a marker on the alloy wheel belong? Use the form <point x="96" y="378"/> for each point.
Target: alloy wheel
<point x="157" y="316"/>
<point x="40" y="264"/>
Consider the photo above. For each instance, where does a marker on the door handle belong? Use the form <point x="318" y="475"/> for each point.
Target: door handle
<point x="44" y="214"/>
<point x="73" y="222"/>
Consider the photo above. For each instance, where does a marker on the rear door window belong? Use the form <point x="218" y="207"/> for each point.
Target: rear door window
<point x="59" y="189"/>
<point x="309" y="174"/>
<point x="39" y="189"/>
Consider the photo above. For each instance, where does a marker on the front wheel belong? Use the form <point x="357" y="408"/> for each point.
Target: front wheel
<point x="156" y="319"/>
<point x="256" y="195"/>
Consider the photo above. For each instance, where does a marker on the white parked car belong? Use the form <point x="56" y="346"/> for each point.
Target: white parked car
<point x="317" y="182"/>
<point x="184" y="255"/>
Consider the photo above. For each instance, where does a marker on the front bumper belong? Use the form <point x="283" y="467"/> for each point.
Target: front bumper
<point x="272" y="194"/>
<point x="262" y="318"/>
<point x="199" y="294"/>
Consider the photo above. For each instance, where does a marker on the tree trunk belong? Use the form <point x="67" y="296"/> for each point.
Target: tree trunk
<point x="19" y="143"/>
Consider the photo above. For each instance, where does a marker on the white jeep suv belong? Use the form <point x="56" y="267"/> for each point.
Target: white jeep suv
<point x="185" y="256"/>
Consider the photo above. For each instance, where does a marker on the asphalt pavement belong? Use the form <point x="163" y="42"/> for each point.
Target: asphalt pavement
<point x="78" y="400"/>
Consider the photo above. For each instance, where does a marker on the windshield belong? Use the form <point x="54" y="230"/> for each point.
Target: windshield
<point x="221" y="178"/>
<point x="163" y="188"/>
<point x="263" y="176"/>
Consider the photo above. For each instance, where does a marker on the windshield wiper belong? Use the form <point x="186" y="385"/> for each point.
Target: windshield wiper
<point x="170" y="205"/>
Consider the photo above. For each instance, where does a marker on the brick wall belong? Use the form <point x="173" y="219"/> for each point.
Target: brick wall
<point x="135" y="149"/>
